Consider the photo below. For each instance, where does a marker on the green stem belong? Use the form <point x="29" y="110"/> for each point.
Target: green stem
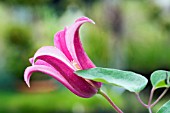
<point x="110" y="101"/>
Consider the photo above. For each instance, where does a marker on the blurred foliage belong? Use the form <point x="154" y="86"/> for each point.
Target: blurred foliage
<point x="60" y="101"/>
<point x="63" y="101"/>
<point x="96" y="41"/>
<point x="128" y="34"/>
<point x="147" y="42"/>
<point x="26" y="2"/>
<point x="19" y="43"/>
<point x="19" y="37"/>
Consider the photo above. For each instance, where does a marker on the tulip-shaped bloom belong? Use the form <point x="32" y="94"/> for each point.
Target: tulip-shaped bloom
<point x="63" y="59"/>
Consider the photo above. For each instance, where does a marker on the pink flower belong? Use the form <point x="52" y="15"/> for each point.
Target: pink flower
<point x="63" y="59"/>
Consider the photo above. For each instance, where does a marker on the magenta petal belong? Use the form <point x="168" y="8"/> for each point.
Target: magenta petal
<point x="31" y="60"/>
<point x="82" y="57"/>
<point x="72" y="43"/>
<point x="41" y="62"/>
<point x="79" y="84"/>
<point x="75" y="47"/>
<point x="51" y="72"/>
<point x="60" y="61"/>
<point x="84" y="19"/>
<point x="41" y="68"/>
<point x="60" y="43"/>
<point x="52" y="51"/>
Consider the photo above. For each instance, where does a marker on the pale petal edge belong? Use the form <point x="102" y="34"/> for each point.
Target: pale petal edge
<point x="60" y="43"/>
<point x="79" y="84"/>
<point x="51" y="72"/>
<point x="70" y="36"/>
<point x="53" y="52"/>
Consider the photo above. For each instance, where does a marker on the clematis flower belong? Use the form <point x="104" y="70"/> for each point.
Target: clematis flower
<point x="63" y="59"/>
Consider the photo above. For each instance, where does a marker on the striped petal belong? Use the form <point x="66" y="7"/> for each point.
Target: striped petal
<point x="74" y="45"/>
<point x="53" y="73"/>
<point x="60" y="43"/>
<point x="58" y="61"/>
<point x="78" y="83"/>
<point x="52" y="51"/>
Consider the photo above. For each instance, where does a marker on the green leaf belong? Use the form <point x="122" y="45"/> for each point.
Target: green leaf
<point x="160" y="79"/>
<point x="165" y="108"/>
<point x="129" y="80"/>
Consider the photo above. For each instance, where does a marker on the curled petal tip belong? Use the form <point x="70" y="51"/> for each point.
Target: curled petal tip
<point x="84" y="19"/>
<point x="31" y="60"/>
<point x="28" y="85"/>
<point x="92" y="22"/>
<point x="27" y="76"/>
<point x="27" y="82"/>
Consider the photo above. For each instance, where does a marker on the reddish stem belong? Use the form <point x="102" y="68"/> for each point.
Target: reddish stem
<point x="151" y="96"/>
<point x="159" y="98"/>
<point x="110" y="101"/>
<point x="139" y="99"/>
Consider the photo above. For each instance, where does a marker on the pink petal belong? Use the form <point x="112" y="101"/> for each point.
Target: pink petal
<point x="55" y="61"/>
<point x="84" y="19"/>
<point x="51" y="72"/>
<point x="74" y="45"/>
<point x="52" y="51"/>
<point x="78" y="83"/>
<point x="82" y="57"/>
<point x="59" y="42"/>
<point x="44" y="69"/>
<point x="31" y="60"/>
<point x="41" y="62"/>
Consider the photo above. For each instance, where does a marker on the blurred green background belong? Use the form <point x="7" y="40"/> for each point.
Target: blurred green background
<point x="128" y="34"/>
